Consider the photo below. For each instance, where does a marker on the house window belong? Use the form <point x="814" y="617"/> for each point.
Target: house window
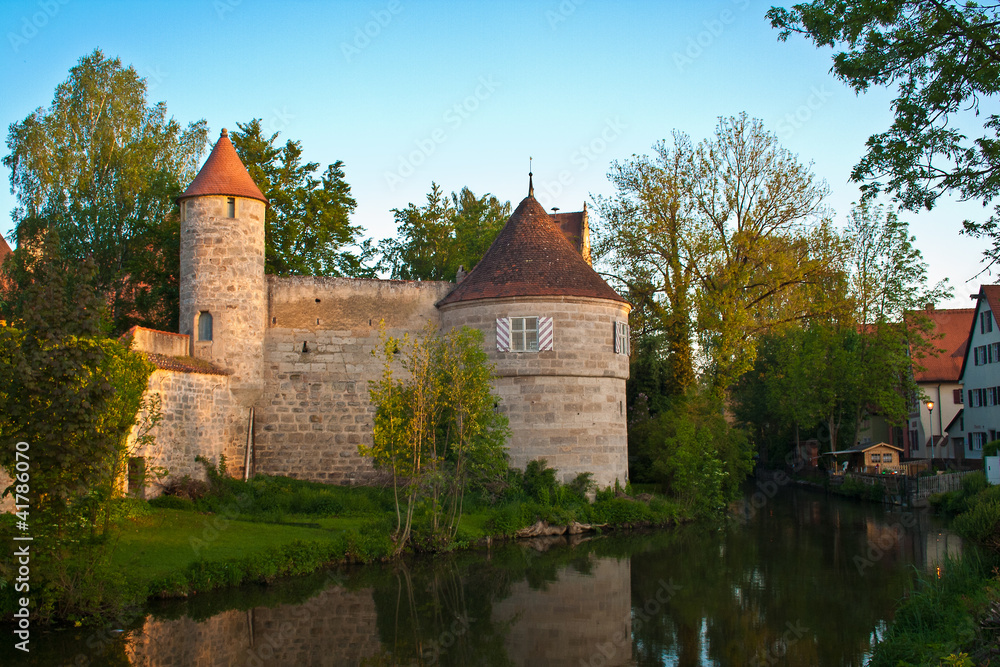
<point x="985" y="322"/>
<point x="876" y="458"/>
<point x="622" y="341"/>
<point x="231" y="207"/>
<point x="978" y="440"/>
<point x="957" y="396"/>
<point x="204" y="325"/>
<point x="524" y="334"/>
<point x="887" y="457"/>
<point x="914" y="441"/>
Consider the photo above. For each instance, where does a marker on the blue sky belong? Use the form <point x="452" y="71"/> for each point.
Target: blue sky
<point x="406" y="92"/>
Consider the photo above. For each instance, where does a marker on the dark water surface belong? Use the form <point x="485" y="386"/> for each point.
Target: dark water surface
<point x="807" y="579"/>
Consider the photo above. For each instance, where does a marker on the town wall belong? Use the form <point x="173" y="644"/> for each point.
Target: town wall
<point x="318" y="361"/>
<point x="565" y="405"/>
<point x="199" y="417"/>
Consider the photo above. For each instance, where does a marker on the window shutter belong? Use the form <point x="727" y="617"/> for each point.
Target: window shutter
<point x="622" y="343"/>
<point x="970" y="399"/>
<point x="503" y="334"/>
<point x="544" y="334"/>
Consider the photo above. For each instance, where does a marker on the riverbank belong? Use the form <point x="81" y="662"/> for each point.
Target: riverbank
<point x="953" y="616"/>
<point x="267" y="528"/>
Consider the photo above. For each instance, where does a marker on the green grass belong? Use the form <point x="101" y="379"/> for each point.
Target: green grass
<point x="170" y="540"/>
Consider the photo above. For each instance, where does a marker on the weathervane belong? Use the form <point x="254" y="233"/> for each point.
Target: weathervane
<point x="531" y="186"/>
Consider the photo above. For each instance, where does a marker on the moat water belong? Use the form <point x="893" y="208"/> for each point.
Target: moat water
<point x="807" y="579"/>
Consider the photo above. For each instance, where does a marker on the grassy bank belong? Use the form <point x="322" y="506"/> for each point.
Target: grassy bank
<point x="231" y="532"/>
<point x="954" y="618"/>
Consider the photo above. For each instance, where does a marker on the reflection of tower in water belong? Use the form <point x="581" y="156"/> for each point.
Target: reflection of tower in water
<point x="579" y="619"/>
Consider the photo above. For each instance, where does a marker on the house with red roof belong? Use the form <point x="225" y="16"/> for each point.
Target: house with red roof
<point x="938" y="374"/>
<point x="272" y="371"/>
<point x="980" y="376"/>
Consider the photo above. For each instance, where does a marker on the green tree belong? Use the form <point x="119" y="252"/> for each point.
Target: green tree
<point x="728" y="236"/>
<point x="943" y="59"/>
<point x="102" y="166"/>
<point x="432" y="241"/>
<point x="308" y="228"/>
<point x="437" y="430"/>
<point x="72" y="396"/>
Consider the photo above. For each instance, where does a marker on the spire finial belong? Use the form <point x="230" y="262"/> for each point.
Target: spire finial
<point x="531" y="186"/>
<point x="225" y="132"/>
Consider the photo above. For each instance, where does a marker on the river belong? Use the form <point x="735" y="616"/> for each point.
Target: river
<point x="799" y="578"/>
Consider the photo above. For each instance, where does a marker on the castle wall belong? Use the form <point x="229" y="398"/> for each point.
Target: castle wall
<point x="200" y="416"/>
<point x="565" y="405"/>
<point x="315" y="410"/>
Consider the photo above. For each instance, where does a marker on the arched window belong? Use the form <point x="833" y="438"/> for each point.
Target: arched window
<point x="205" y="325"/>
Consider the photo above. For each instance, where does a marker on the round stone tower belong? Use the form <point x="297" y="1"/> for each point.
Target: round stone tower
<point x="223" y="294"/>
<point x="559" y="337"/>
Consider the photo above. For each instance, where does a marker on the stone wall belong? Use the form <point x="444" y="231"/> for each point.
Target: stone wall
<point x="336" y="627"/>
<point x="318" y="361"/>
<point x="199" y="417"/>
<point x="567" y="404"/>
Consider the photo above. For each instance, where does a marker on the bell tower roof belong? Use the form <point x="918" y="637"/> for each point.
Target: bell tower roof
<point x="223" y="174"/>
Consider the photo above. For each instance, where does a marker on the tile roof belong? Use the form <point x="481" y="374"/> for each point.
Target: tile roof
<point x="952" y="325"/>
<point x="5" y="250"/>
<point x="183" y="364"/>
<point x="531" y="257"/>
<point x="571" y="226"/>
<point x="223" y="174"/>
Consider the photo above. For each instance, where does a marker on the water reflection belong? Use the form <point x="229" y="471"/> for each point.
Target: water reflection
<point x="805" y="580"/>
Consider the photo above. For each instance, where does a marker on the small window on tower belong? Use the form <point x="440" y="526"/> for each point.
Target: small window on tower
<point x="205" y="325"/>
<point x="231" y="207"/>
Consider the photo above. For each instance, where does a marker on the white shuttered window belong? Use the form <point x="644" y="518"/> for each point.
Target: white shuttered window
<point x="524" y="334"/>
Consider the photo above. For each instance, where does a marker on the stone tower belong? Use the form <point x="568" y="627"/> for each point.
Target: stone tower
<point x="558" y="335"/>
<point x="223" y="294"/>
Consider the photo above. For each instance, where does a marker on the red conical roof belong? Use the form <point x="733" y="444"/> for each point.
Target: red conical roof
<point x="223" y="174"/>
<point x="531" y="257"/>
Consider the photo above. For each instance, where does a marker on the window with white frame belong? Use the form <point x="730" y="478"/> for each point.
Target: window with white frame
<point x="887" y="457"/>
<point x="524" y="334"/>
<point x="978" y="440"/>
<point x="985" y="322"/>
<point x="876" y="458"/>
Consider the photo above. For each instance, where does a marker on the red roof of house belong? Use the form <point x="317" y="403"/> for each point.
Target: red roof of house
<point x="952" y="325"/>
<point x="223" y="174"/>
<point x="531" y="257"/>
<point x="5" y="250"/>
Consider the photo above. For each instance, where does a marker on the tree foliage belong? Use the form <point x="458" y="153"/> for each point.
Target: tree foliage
<point x="433" y="240"/>
<point x="824" y="379"/>
<point x="101" y="166"/>
<point x="437" y="430"/>
<point x="308" y="228"/>
<point x="720" y="242"/>
<point x="943" y="59"/>
<point x="72" y="395"/>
